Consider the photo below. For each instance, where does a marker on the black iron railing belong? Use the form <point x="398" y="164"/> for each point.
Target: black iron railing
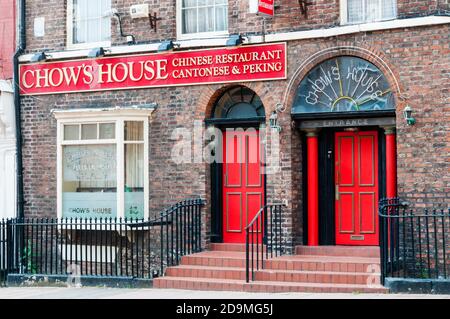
<point x="179" y="232"/>
<point x="3" y="249"/>
<point x="414" y="244"/>
<point x="263" y="238"/>
<point x="101" y="247"/>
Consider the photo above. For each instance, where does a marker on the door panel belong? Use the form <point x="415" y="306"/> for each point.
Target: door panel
<point x="347" y="167"/>
<point x="356" y="181"/>
<point x="233" y="206"/>
<point x="243" y="187"/>
<point x="346" y="204"/>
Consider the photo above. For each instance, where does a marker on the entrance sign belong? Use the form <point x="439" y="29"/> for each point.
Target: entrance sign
<point x="371" y="121"/>
<point x="237" y="64"/>
<point x="343" y="84"/>
<point x="266" y="7"/>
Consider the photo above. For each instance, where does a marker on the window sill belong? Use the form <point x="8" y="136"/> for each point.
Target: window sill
<point x="203" y="35"/>
<point x="86" y="46"/>
<point x="345" y="23"/>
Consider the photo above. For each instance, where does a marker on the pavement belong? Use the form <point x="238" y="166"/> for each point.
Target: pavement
<point x="129" y="293"/>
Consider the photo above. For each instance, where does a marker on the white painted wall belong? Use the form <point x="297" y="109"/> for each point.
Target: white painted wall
<point x="7" y="151"/>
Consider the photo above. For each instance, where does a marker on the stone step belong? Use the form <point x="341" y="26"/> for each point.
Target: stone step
<point x="349" y="251"/>
<point x="325" y="263"/>
<point x="209" y="284"/>
<point x="228" y="247"/>
<point x="273" y="275"/>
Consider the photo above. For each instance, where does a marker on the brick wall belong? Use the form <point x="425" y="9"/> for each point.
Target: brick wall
<point x="418" y="58"/>
<point x="7" y="38"/>
<point x="321" y="14"/>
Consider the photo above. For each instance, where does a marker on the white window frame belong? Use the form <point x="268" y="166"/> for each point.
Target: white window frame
<point x="344" y="17"/>
<point x="199" y="35"/>
<point x="119" y="117"/>
<point x="79" y="46"/>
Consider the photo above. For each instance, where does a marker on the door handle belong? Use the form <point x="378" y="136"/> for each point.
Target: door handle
<point x="336" y="188"/>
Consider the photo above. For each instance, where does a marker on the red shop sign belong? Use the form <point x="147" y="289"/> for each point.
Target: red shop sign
<point x="266" y="6"/>
<point x="238" y="64"/>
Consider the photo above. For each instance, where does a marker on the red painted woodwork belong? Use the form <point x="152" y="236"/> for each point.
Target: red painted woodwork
<point x="313" y="189"/>
<point x="356" y="178"/>
<point x="243" y="183"/>
<point x="391" y="166"/>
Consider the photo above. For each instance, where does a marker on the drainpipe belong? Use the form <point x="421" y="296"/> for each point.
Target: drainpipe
<point x="19" y="51"/>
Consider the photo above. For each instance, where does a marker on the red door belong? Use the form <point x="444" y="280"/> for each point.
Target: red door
<point x="356" y="181"/>
<point x="243" y="183"/>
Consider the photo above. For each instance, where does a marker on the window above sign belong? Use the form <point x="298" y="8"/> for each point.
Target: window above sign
<point x="88" y="23"/>
<point x="202" y="18"/>
<point x="365" y="11"/>
<point x="343" y="84"/>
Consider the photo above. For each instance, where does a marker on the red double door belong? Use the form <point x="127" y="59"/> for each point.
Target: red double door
<point x="243" y="183"/>
<point x="356" y="188"/>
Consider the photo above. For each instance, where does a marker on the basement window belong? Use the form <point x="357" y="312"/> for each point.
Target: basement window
<point x="366" y="11"/>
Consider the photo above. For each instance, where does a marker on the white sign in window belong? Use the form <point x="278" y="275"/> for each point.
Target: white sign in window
<point x="89" y="181"/>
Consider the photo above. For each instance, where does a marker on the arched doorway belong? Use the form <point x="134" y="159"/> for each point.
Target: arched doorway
<point x="238" y="183"/>
<point x="346" y="107"/>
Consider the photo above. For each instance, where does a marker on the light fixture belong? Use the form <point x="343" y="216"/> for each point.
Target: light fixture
<point x="38" y="57"/>
<point x="273" y="121"/>
<point x="234" y="40"/>
<point x="96" y="53"/>
<point x="166" y="46"/>
<point x="407" y="114"/>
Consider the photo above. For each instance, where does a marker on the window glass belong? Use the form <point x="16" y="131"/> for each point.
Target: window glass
<point x="71" y="132"/>
<point x="90" y="171"/>
<point x="360" y="11"/>
<point x="134" y="180"/>
<point x="91" y="21"/>
<point x="134" y="131"/>
<point x="344" y="84"/>
<point x="107" y="131"/>
<point x="89" y="181"/>
<point x="89" y="131"/>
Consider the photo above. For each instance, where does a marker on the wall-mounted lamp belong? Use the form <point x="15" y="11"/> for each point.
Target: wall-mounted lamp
<point x="273" y="121"/>
<point x="235" y="40"/>
<point x="96" y="53"/>
<point x="407" y="114"/>
<point x="167" y="46"/>
<point x="39" y="57"/>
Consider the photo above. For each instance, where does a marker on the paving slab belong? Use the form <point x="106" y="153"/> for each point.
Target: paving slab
<point x="124" y="293"/>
